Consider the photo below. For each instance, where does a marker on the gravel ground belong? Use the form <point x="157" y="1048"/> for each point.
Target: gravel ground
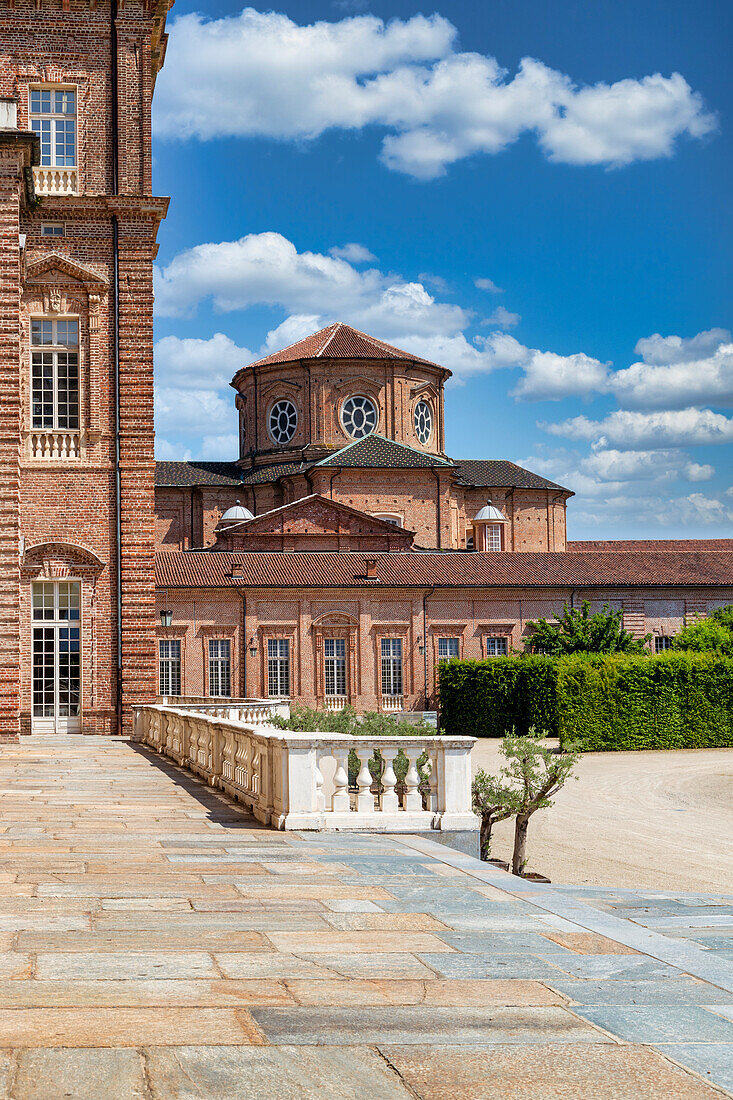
<point x="652" y="820"/>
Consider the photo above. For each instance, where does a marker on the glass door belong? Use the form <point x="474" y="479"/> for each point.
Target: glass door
<point x="56" y="657"/>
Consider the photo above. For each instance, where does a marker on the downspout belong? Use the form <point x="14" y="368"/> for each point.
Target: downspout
<point x="330" y="484"/>
<point x="425" y="639"/>
<point x="257" y="419"/>
<point x="116" y="351"/>
<point x="190" y="537"/>
<point x="436" y="475"/>
<point x="244" y="641"/>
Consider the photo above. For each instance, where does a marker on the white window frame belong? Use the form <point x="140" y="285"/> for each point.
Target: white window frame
<point x="346" y="417"/>
<point x="292" y="420"/>
<point x="662" y="643"/>
<point x="448" y="643"/>
<point x="46" y="354"/>
<point x="53" y="229"/>
<point x="427" y="417"/>
<point x="493" y="537"/>
<point x="496" y="645"/>
<point x="278" y="667"/>
<point x="57" y="122"/>
<point x="334" y="667"/>
<point x="391" y="667"/>
<point x="170" y="666"/>
<point x="389" y="517"/>
<point x="220" y="668"/>
<point x="55" y="620"/>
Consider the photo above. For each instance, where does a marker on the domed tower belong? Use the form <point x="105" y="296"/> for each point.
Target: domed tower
<point x="333" y="388"/>
<point x="489" y="529"/>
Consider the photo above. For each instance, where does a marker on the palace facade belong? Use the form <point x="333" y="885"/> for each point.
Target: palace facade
<point x="338" y="558"/>
<point x="343" y="555"/>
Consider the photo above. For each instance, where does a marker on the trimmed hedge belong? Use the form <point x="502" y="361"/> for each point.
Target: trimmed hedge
<point x="598" y="702"/>
<point x="490" y="698"/>
<point x="673" y="701"/>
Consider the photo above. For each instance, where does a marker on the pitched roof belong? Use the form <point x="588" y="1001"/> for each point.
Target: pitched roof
<point x="653" y="544"/>
<point x="206" y="569"/>
<point x="187" y="474"/>
<point x="261" y="475"/>
<point x="263" y="522"/>
<point x="340" y="341"/>
<point x="490" y="473"/>
<point x="377" y="451"/>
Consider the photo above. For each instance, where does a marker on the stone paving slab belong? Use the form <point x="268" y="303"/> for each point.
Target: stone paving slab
<point x="156" y="942"/>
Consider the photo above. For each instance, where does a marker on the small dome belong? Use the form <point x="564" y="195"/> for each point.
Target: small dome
<point x="490" y="514"/>
<point x="236" y="514"/>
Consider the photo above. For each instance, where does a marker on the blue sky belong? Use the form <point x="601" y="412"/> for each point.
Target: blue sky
<point x="535" y="195"/>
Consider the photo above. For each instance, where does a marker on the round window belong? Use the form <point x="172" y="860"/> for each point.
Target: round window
<point x="283" y="421"/>
<point x="358" y="416"/>
<point x="423" y="421"/>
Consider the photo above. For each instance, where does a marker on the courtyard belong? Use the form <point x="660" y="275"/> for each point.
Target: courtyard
<point x="158" y="943"/>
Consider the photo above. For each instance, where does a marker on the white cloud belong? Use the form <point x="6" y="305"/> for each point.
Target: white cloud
<point x="194" y="363"/>
<point x="504" y="318"/>
<point x="631" y="430"/>
<point x="354" y="253"/>
<point x="188" y="411"/>
<point x="697" y="513"/>
<point x="260" y="74"/>
<point x="694" y="471"/>
<point x="551" y="377"/>
<point x="488" y="285"/>
<point x="677" y="372"/>
<point x="167" y="451"/>
<point x="218" y="448"/>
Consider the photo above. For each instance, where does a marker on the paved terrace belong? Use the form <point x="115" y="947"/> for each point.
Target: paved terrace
<point x="156" y="943"/>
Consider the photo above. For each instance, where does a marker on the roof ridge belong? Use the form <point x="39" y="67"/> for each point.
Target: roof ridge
<point x="335" y="326"/>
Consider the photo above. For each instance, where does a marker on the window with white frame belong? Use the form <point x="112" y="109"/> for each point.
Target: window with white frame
<point x="55" y="374"/>
<point x="391" y="666"/>
<point x="53" y="229"/>
<point x="447" y="649"/>
<point x="52" y="115"/>
<point x="169" y="666"/>
<point x="278" y="666"/>
<point x="334" y="666"/>
<point x="389" y="517"/>
<point x="493" y="537"/>
<point x="220" y="669"/>
<point x="496" y="645"/>
<point x="662" y="643"/>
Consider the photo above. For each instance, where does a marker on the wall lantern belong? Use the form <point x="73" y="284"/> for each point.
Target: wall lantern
<point x="252" y="647"/>
<point x="166" y="618"/>
<point x="420" y="645"/>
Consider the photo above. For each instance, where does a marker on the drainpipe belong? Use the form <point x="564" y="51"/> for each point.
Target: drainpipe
<point x="425" y="639"/>
<point x="116" y="352"/>
<point x="330" y="484"/>
<point x="436" y="475"/>
<point x="244" y="640"/>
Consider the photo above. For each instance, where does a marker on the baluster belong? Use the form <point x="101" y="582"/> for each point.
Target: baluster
<point x="413" y="798"/>
<point x="433" y="780"/>
<point x="320" y="796"/>
<point x="365" y="798"/>
<point x="341" y="801"/>
<point x="389" y="800"/>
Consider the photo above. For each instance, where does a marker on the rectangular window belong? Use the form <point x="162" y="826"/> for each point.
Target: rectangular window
<point x="662" y="643"/>
<point x="494" y="537"/>
<point x="55" y="374"/>
<point x="169" y="666"/>
<point x="278" y="666"/>
<point x="52" y="115"/>
<point x="53" y="229"/>
<point x="496" y="645"/>
<point x="334" y="657"/>
<point x="447" y="649"/>
<point x="220" y="678"/>
<point x="391" y="666"/>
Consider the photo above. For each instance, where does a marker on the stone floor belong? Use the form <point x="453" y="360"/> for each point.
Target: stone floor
<point x="156" y="943"/>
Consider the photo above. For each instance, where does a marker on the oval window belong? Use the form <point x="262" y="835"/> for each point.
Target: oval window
<point x="358" y="416"/>
<point x="283" y="421"/>
<point x="423" y="421"/>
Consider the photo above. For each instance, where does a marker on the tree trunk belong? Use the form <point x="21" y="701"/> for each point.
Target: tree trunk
<point x="487" y="822"/>
<point x="520" y="844"/>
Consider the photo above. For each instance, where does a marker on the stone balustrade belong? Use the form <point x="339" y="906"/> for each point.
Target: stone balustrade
<point x="55" y="181"/>
<point x="279" y="774"/>
<point x="54" y="445"/>
<point x="252" y="712"/>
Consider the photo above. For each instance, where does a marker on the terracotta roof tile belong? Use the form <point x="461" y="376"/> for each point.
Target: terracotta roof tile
<point x="653" y="544"/>
<point x="494" y="473"/>
<point x="340" y="341"/>
<point x="374" y="451"/>
<point x="452" y="569"/>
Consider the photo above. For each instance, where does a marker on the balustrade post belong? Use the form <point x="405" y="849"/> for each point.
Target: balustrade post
<point x="389" y="801"/>
<point x="341" y="801"/>
<point x="455" y="784"/>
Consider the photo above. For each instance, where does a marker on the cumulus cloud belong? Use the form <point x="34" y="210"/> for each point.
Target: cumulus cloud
<point x="503" y="318"/>
<point x="696" y="512"/>
<point x="354" y="253"/>
<point x="675" y="372"/>
<point x="261" y="74"/>
<point x="191" y="363"/>
<point x="631" y="430"/>
<point x="551" y="377"/>
<point x="488" y="285"/>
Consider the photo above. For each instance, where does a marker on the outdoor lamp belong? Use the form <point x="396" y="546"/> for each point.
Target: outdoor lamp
<point x="166" y="618"/>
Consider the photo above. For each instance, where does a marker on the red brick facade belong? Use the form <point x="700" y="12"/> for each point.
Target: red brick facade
<point x="58" y="511"/>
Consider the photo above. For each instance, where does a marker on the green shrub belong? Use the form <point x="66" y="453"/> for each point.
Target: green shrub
<point x="672" y="701"/>
<point x="490" y="698"/>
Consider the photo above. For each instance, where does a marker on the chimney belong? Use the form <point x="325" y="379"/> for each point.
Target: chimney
<point x="371" y="569"/>
<point x="8" y="114"/>
<point x="237" y="570"/>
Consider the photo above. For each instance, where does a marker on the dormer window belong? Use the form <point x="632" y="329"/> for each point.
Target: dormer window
<point x="52" y="115"/>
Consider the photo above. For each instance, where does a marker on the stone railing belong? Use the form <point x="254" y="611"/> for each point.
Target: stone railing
<point x="55" y="181"/>
<point x="252" y="712"/>
<point x="280" y="775"/>
<point x="392" y="702"/>
<point x="54" y="445"/>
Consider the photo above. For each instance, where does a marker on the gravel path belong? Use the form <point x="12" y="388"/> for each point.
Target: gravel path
<point x="653" y="820"/>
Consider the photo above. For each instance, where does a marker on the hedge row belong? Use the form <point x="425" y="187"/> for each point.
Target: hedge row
<point x="673" y="701"/>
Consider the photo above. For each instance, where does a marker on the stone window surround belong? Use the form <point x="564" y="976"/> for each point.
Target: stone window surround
<point x="55" y="77"/>
<point x="226" y="632"/>
<point x="178" y="631"/>
<point x="408" y="664"/>
<point x="263" y="635"/>
<point x="327" y="628"/>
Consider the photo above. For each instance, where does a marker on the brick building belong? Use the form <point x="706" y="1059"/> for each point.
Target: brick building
<point x="344" y="554"/>
<point x="78" y="224"/>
